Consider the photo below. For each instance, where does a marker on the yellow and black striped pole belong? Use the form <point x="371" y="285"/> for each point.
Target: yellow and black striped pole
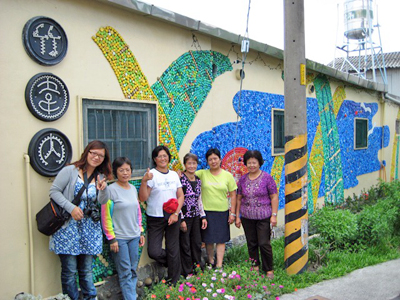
<point x="296" y="216"/>
<point x="296" y="212"/>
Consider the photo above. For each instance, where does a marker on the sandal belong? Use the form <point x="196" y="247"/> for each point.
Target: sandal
<point x="270" y="274"/>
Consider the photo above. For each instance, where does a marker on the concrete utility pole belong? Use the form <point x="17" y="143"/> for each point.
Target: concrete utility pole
<point x="296" y="211"/>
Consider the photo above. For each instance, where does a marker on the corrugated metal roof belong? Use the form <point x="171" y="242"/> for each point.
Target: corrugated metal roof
<point x="164" y="15"/>
<point x="392" y="60"/>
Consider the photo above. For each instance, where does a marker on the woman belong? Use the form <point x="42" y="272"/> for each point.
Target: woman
<point x="81" y="237"/>
<point x="193" y="216"/>
<point x="216" y="183"/>
<point x="257" y="203"/>
<point x="159" y="185"/>
<point x="121" y="219"/>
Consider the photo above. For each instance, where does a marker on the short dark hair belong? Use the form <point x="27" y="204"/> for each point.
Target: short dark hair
<point x="157" y="150"/>
<point x="253" y="154"/>
<point x="213" y="151"/>
<point x="190" y="156"/>
<point x="118" y="162"/>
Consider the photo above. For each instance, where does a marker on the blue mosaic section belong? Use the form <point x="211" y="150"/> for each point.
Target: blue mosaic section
<point x="185" y="84"/>
<point x="255" y="108"/>
<point x="254" y="132"/>
<point x="358" y="162"/>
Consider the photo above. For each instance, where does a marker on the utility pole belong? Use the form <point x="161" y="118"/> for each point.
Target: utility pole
<point x="296" y="210"/>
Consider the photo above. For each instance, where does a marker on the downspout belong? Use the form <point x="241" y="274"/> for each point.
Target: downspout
<point x="382" y="174"/>
<point x="30" y="232"/>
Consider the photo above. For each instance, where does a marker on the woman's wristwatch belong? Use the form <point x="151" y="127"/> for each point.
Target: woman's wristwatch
<point x="232" y="214"/>
<point x="175" y="213"/>
<point x="274" y="214"/>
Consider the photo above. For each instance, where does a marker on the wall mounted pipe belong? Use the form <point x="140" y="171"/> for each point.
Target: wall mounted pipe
<point x="30" y="231"/>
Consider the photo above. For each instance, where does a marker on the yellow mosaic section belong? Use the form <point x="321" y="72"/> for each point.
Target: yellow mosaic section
<point x="316" y="159"/>
<point x="133" y="82"/>
<point x="394" y="164"/>
<point x="276" y="170"/>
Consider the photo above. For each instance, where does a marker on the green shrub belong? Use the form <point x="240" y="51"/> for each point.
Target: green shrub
<point x="338" y="227"/>
<point x="377" y="222"/>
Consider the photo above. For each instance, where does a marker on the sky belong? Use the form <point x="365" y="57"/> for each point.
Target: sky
<point x="324" y="24"/>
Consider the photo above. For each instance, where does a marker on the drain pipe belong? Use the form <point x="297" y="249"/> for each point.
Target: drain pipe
<point x="30" y="231"/>
<point x="387" y="96"/>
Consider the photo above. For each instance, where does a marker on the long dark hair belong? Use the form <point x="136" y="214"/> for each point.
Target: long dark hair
<point x="104" y="168"/>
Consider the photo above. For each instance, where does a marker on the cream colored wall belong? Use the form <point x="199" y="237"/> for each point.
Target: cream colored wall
<point x="86" y="73"/>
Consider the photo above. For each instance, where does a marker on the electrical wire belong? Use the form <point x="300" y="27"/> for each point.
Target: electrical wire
<point x="244" y="56"/>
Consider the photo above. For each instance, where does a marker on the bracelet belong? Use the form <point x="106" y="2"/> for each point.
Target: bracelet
<point x="175" y="213"/>
<point x="232" y="214"/>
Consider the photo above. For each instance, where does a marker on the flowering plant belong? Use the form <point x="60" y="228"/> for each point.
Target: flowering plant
<point x="232" y="282"/>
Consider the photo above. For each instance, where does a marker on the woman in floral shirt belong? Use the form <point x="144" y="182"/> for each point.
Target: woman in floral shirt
<point x="193" y="216"/>
<point x="257" y="208"/>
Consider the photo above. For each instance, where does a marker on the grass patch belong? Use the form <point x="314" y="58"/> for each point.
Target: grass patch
<point x="368" y="234"/>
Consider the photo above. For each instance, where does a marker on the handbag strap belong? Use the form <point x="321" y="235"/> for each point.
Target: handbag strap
<point x="77" y="200"/>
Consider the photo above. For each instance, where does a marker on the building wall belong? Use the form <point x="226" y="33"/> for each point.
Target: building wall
<point x="156" y="46"/>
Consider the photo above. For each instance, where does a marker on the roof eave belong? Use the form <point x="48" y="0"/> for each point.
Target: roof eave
<point x="168" y="16"/>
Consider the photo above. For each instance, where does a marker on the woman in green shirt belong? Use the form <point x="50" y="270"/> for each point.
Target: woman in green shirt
<point x="216" y="185"/>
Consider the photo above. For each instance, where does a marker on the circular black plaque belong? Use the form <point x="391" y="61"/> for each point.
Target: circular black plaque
<point x="45" y="40"/>
<point x="49" y="151"/>
<point x="47" y="97"/>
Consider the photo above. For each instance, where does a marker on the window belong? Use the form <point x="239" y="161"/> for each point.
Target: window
<point x="360" y="133"/>
<point x="128" y="128"/>
<point x="278" y="132"/>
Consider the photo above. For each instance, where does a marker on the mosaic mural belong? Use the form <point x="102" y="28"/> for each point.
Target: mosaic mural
<point x="330" y="134"/>
<point x="180" y="92"/>
<point x="183" y="87"/>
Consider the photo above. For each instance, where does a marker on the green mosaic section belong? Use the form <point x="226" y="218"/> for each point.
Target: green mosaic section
<point x="334" y="190"/>
<point x="184" y="86"/>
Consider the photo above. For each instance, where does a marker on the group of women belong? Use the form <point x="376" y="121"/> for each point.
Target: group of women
<point x="187" y="209"/>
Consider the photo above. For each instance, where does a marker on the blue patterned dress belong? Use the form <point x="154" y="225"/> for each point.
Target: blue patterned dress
<point x="79" y="237"/>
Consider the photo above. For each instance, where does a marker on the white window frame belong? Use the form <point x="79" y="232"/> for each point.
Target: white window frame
<point x="273" y="153"/>
<point x="120" y="104"/>
<point x="355" y="131"/>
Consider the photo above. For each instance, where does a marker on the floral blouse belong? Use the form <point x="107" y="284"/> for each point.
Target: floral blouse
<point x="192" y="192"/>
<point x="79" y="237"/>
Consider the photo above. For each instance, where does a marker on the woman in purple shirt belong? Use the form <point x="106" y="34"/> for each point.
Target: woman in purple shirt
<point x="257" y="208"/>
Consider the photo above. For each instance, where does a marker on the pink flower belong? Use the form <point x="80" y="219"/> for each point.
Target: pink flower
<point x="281" y="286"/>
<point x="249" y="296"/>
<point x="238" y="287"/>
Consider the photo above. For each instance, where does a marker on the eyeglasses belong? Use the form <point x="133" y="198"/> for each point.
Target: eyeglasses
<point x="100" y="156"/>
<point x="162" y="156"/>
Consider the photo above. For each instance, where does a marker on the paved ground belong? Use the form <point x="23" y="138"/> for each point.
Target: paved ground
<point x="379" y="282"/>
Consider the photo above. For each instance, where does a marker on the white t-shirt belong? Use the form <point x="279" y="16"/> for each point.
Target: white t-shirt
<point x="163" y="187"/>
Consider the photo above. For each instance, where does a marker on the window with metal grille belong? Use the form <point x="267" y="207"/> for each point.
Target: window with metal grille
<point x="278" y="132"/>
<point x="360" y="133"/>
<point x="128" y="128"/>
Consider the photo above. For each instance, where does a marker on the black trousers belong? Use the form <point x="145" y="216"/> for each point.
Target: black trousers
<point x="258" y="235"/>
<point x="190" y="243"/>
<point x="157" y="227"/>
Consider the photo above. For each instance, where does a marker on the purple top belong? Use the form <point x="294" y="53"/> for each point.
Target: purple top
<point x="256" y="201"/>
<point x="192" y="192"/>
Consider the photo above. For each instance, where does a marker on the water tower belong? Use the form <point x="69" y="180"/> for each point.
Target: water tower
<point x="361" y="52"/>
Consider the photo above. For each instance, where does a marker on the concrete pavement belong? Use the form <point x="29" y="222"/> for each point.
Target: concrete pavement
<point x="379" y="282"/>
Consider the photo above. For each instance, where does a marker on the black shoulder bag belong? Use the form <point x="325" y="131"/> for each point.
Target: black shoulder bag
<point x="51" y="217"/>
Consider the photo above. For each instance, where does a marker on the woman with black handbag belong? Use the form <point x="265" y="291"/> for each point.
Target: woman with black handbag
<point x="81" y="236"/>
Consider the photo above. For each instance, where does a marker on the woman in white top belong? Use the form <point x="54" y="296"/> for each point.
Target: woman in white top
<point x="158" y="186"/>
